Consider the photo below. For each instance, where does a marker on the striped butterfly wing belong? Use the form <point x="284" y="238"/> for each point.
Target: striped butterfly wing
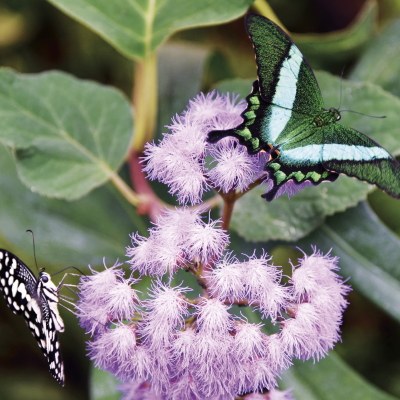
<point x="350" y="152"/>
<point x="25" y="296"/>
<point x="285" y="78"/>
<point x="335" y="149"/>
<point x="285" y="93"/>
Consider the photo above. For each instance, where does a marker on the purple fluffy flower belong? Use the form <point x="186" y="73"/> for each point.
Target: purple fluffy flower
<point x="197" y="348"/>
<point x="318" y="296"/>
<point x="165" y="313"/>
<point x="104" y="297"/>
<point x="178" y="239"/>
<point x="114" y="348"/>
<point x="232" y="167"/>
<point x="254" y="280"/>
<point x="179" y="160"/>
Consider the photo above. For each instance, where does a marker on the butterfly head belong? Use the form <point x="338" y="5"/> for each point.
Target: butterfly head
<point x="326" y="117"/>
<point x="46" y="282"/>
<point x="335" y="114"/>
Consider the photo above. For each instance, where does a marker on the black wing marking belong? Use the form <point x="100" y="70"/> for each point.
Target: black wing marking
<point x="21" y="291"/>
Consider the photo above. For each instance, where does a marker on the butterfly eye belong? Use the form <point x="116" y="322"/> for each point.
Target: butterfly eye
<point x="45" y="278"/>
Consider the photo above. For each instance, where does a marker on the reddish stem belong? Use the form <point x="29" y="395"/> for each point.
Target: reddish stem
<point x="151" y="205"/>
<point x="227" y="209"/>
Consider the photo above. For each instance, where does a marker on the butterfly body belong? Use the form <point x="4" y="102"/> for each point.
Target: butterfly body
<point x="36" y="300"/>
<point x="286" y="117"/>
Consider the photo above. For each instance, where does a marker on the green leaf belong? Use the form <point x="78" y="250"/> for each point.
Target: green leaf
<point x="103" y="386"/>
<point x="380" y="64"/>
<point x="70" y="136"/>
<point x="340" y="47"/>
<point x="137" y="28"/>
<point x="291" y="219"/>
<point x="369" y="254"/>
<point x="329" y="379"/>
<point x="67" y="233"/>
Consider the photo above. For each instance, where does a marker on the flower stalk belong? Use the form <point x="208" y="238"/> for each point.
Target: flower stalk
<point x="144" y="101"/>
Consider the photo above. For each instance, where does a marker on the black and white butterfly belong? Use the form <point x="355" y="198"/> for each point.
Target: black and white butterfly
<point x="37" y="301"/>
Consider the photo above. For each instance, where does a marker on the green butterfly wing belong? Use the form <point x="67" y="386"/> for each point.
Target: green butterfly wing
<point x="332" y="149"/>
<point x="350" y="152"/>
<point x="285" y="78"/>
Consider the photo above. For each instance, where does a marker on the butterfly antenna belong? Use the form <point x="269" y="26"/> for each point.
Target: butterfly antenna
<point x="351" y="111"/>
<point x="64" y="269"/>
<point x="341" y="88"/>
<point x="34" y="247"/>
<point x="365" y="115"/>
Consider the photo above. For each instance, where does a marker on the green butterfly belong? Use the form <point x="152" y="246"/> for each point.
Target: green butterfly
<point x="285" y="116"/>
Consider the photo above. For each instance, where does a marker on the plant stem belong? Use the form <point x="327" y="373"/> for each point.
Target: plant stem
<point x="151" y="205"/>
<point x="144" y="99"/>
<point x="131" y="196"/>
<point x="227" y="210"/>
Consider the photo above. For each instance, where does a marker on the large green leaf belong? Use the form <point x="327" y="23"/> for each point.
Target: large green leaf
<point x="369" y="254"/>
<point x="137" y="28"/>
<point x="70" y="136"/>
<point x="329" y="379"/>
<point x="380" y="64"/>
<point x="292" y="219"/>
<point x="67" y="233"/>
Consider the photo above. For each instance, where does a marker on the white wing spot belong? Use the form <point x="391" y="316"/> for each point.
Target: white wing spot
<point x="13" y="265"/>
<point x="22" y="290"/>
<point x="14" y="288"/>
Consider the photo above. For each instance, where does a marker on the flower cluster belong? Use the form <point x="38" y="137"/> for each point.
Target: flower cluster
<point x="181" y="344"/>
<point x="189" y="165"/>
<point x="178" y="238"/>
<point x="190" y="341"/>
